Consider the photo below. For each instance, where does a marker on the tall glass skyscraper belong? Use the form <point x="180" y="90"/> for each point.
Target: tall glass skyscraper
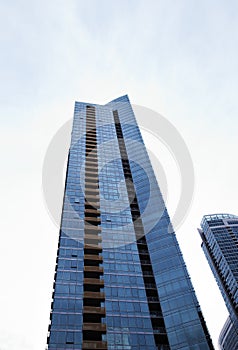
<point x="219" y="233"/>
<point x="120" y="281"/>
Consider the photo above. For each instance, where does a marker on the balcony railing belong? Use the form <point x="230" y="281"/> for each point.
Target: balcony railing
<point x="94" y="295"/>
<point x="93" y="257"/>
<point x="91" y="345"/>
<point x="93" y="269"/>
<point x="96" y="327"/>
<point x="94" y="310"/>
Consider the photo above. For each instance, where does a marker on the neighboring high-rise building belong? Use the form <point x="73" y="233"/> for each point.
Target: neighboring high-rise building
<point x="228" y="339"/>
<point x="121" y="281"/>
<point x="219" y="235"/>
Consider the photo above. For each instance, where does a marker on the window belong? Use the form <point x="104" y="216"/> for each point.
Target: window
<point x="73" y="264"/>
<point x="69" y="338"/>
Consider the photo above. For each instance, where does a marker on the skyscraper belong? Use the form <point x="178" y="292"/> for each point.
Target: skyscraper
<point x="120" y="281"/>
<point x="219" y="233"/>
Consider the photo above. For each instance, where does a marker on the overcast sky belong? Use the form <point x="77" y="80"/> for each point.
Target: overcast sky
<point x="178" y="58"/>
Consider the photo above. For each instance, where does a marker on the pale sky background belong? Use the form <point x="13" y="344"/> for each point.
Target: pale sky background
<point x="177" y="57"/>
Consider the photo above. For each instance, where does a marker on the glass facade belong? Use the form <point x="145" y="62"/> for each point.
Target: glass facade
<point x="120" y="281"/>
<point x="219" y="233"/>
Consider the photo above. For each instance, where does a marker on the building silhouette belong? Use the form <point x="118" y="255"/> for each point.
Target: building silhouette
<point x="219" y="233"/>
<point x="120" y="281"/>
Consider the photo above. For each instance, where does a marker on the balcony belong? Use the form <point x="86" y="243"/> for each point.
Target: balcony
<point x="95" y="286"/>
<point x="98" y="269"/>
<point x="90" y="132"/>
<point x="93" y="217"/>
<point x="92" y="153"/>
<point x="92" y="205"/>
<point x="92" y="240"/>
<point x="96" y="327"/>
<point x="90" y="161"/>
<point x="89" y="183"/>
<point x="90" y="233"/>
<point x="92" y="157"/>
<point x="92" y="208"/>
<point x="90" y="126"/>
<point x="92" y="221"/>
<point x="89" y="150"/>
<point x="93" y="244"/>
<point x="91" y="176"/>
<point x="89" y="191"/>
<point x="94" y="310"/>
<point x="94" y="295"/>
<point x="92" y="198"/>
<point x="91" y="345"/>
<point x="89" y="229"/>
<point x="92" y="249"/>
<point x="92" y="212"/>
<point x="91" y="169"/>
<point x="89" y="164"/>
<point x="91" y="140"/>
<point x="91" y="257"/>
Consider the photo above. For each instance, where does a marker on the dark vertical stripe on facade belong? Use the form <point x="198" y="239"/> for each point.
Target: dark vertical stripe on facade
<point x="160" y="335"/>
<point x="93" y="297"/>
